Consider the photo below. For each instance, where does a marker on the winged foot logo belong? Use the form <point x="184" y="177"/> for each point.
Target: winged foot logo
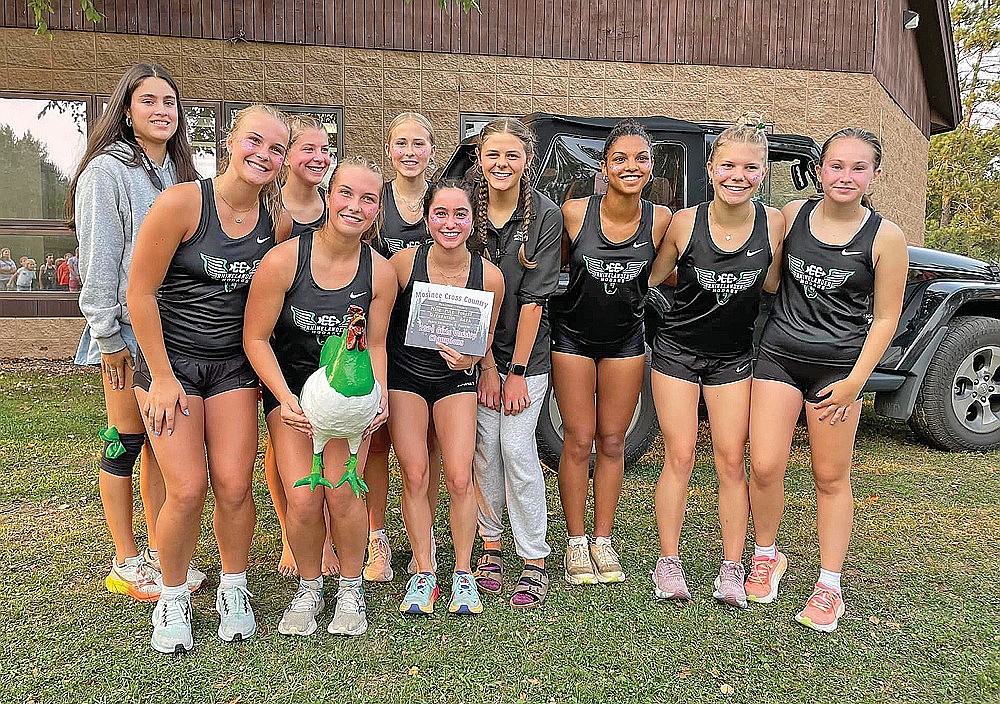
<point x="815" y="278"/>
<point x="726" y="284"/>
<point x="232" y="276"/>
<point x="612" y="273"/>
<point x="322" y="326"/>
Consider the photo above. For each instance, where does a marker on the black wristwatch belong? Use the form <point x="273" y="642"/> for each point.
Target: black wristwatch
<point x="517" y="370"/>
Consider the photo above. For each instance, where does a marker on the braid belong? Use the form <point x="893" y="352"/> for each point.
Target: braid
<point x="482" y="211"/>
<point x="529" y="217"/>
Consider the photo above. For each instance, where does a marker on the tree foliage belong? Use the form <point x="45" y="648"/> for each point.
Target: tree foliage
<point x="963" y="181"/>
<point x="33" y="186"/>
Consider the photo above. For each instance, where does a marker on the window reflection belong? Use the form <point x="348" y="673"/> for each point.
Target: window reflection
<point x="42" y="141"/>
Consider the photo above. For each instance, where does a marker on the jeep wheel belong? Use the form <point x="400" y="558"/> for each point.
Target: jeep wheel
<point x="639" y="437"/>
<point x="958" y="406"/>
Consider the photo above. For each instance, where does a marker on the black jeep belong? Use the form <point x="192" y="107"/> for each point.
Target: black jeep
<point x="939" y="370"/>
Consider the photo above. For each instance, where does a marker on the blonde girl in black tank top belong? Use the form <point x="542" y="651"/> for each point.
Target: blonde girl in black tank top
<point x="195" y="400"/>
<point x="338" y="272"/>
<point x="409" y="146"/>
<point x="835" y="273"/>
<point x="723" y="251"/>
<point x="305" y="202"/>
<point x="598" y="346"/>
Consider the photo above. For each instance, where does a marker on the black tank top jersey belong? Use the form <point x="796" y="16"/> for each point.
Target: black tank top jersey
<point x="608" y="281"/>
<point x="823" y="309"/>
<point x="417" y="361"/>
<point x="717" y="297"/>
<point x="204" y="292"/>
<point x="396" y="233"/>
<point x="301" y="228"/>
<point x="310" y="314"/>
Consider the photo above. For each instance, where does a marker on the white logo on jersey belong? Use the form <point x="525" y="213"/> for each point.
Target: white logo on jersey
<point x="396" y="245"/>
<point x="612" y="273"/>
<point x="233" y="275"/>
<point x="322" y="326"/>
<point x="815" y="278"/>
<point x="726" y="285"/>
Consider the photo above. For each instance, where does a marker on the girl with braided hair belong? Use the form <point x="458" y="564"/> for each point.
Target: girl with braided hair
<point x="520" y="230"/>
<point x="598" y="343"/>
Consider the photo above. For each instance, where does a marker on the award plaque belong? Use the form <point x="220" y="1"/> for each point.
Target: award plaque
<point x="456" y="317"/>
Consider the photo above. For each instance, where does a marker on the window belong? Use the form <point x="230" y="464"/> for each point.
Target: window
<point x="572" y="169"/>
<point x="789" y="178"/>
<point x="472" y="123"/>
<point x="42" y="139"/>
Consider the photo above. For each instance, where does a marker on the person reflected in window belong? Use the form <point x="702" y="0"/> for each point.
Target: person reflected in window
<point x="7" y="267"/>
<point x="62" y="274"/>
<point x="24" y="278"/>
<point x="47" y="274"/>
<point x="73" y="260"/>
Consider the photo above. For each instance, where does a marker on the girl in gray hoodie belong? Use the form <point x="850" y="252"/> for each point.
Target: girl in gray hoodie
<point x="138" y="148"/>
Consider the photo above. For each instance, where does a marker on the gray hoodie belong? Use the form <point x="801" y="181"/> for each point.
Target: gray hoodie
<point x="112" y="200"/>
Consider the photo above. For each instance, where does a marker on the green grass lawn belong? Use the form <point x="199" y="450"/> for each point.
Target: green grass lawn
<point x="921" y="584"/>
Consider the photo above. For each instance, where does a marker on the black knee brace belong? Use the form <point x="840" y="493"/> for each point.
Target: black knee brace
<point x="120" y="451"/>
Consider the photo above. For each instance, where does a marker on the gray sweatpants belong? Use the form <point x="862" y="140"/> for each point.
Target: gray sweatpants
<point x="507" y="473"/>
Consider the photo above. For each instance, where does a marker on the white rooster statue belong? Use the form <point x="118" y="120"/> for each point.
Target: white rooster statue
<point x="340" y="399"/>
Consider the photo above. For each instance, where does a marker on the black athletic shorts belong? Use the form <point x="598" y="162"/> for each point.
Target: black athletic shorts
<point x="269" y="401"/>
<point x="432" y="390"/>
<point x="202" y="377"/>
<point x="670" y="359"/>
<point x="807" y="377"/>
<point x="632" y="346"/>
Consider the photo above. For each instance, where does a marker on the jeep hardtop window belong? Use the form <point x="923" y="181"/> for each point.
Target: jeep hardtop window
<point x="572" y="169"/>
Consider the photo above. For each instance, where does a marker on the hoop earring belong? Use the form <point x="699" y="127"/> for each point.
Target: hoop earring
<point x="605" y="177"/>
<point x="128" y="121"/>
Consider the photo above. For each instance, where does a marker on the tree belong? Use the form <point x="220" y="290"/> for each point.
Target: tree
<point x="33" y="186"/>
<point x="963" y="181"/>
<point x="41" y="8"/>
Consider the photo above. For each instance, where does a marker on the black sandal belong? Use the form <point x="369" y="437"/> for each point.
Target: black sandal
<point x="532" y="588"/>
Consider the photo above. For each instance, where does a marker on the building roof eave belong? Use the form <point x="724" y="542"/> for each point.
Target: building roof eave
<point x="938" y="61"/>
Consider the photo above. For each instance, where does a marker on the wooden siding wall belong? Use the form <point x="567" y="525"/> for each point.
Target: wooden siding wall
<point x="897" y="63"/>
<point x="801" y="34"/>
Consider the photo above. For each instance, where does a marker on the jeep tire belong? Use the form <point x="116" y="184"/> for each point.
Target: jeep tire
<point x="958" y="405"/>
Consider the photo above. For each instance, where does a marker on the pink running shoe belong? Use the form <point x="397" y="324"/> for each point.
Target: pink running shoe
<point x="729" y="587"/>
<point x="668" y="579"/>
<point x="765" y="573"/>
<point x="823" y="609"/>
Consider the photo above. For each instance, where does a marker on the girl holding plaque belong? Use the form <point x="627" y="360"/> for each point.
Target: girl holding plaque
<point x="438" y="385"/>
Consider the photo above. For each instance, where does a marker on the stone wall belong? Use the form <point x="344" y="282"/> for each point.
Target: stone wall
<point x="373" y="86"/>
<point x="39" y="338"/>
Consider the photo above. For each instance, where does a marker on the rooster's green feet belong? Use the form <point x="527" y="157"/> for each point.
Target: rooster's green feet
<point x="315" y="477"/>
<point x="351" y="477"/>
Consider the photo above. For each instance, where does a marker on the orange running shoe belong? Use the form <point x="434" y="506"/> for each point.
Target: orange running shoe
<point x="765" y="573"/>
<point x="823" y="609"/>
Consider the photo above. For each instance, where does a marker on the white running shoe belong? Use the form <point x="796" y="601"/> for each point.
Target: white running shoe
<point x="349" y="617"/>
<point x="134" y="577"/>
<point x="172" y="625"/>
<point x="237" y="621"/>
<point x="195" y="577"/>
<point x="299" y="618"/>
